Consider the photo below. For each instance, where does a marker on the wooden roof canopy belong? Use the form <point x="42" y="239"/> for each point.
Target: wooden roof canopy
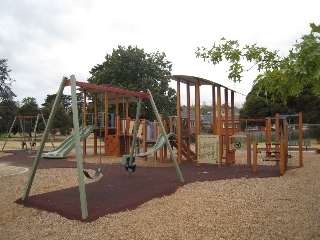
<point x="192" y="81"/>
<point x="112" y="92"/>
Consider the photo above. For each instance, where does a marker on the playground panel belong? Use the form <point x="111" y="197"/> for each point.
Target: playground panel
<point x="208" y="148"/>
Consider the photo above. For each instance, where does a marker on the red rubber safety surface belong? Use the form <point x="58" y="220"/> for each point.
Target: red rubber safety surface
<point x="116" y="191"/>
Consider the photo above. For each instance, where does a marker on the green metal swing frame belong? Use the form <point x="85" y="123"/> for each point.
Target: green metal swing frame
<point x="73" y="83"/>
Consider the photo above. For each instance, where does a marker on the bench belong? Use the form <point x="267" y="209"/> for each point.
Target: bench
<point x="305" y="142"/>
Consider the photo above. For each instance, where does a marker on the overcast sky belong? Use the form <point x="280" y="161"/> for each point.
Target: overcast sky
<point x="45" y="40"/>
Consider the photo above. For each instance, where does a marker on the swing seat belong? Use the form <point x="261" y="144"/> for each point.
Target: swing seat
<point x="132" y="168"/>
<point x="96" y="175"/>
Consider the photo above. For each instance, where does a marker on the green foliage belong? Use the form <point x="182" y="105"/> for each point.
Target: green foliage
<point x="133" y="69"/>
<point x="316" y="131"/>
<point x="8" y="107"/>
<point x="62" y="122"/>
<point x="205" y="108"/>
<point x="29" y="107"/>
<point x="279" y="76"/>
<point x="256" y="106"/>
<point x="5" y="82"/>
<point x="8" y="111"/>
<point x="66" y="100"/>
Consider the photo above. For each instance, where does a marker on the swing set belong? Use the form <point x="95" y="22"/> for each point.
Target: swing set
<point x="32" y="136"/>
<point x="109" y="94"/>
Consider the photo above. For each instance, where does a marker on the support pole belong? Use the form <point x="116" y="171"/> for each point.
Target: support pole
<point x="82" y="190"/>
<point x="45" y="124"/>
<point x="43" y="140"/>
<point x="166" y="138"/>
<point x="5" y="142"/>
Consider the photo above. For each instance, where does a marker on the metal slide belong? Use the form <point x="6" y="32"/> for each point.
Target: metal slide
<point x="68" y="144"/>
<point x="159" y="144"/>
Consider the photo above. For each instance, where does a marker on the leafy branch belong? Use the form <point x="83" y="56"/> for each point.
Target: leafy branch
<point x="277" y="75"/>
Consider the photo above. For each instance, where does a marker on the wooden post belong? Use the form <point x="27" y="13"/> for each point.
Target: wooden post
<point x="255" y="156"/>
<point x="188" y="121"/>
<point x="268" y="137"/>
<point x="284" y="151"/>
<point x="106" y="119"/>
<point x="226" y="125"/>
<point x="95" y="142"/>
<point x="197" y="100"/>
<point x="300" y="140"/>
<point x="84" y="117"/>
<point x="165" y="124"/>
<point x="214" y="111"/>
<point x="117" y="114"/>
<point x="248" y="150"/>
<point x="282" y="158"/>
<point x="170" y="124"/>
<point x="127" y="134"/>
<point x="277" y="141"/>
<point x="170" y="129"/>
<point x="219" y="126"/>
<point x="232" y="114"/>
<point x="179" y="123"/>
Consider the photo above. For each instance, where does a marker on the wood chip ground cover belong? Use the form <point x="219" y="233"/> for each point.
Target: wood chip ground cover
<point x="286" y="207"/>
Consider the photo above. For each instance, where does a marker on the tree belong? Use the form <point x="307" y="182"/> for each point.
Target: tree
<point x="283" y="76"/>
<point x="62" y="121"/>
<point x="256" y="106"/>
<point x="29" y="108"/>
<point x="65" y="101"/>
<point x="204" y="108"/>
<point x="8" y="112"/>
<point x="5" y="82"/>
<point x="8" y="107"/>
<point x="133" y="69"/>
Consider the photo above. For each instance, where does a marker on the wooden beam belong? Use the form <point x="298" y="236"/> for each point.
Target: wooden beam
<point x="226" y="124"/>
<point x="84" y="117"/>
<point x="109" y="89"/>
<point x="198" y="116"/>
<point x="179" y="123"/>
<point x="214" y="111"/>
<point x="219" y="126"/>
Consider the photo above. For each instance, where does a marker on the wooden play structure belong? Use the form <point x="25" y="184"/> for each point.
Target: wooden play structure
<point x="217" y="144"/>
<point x="277" y="151"/>
<point x="107" y="95"/>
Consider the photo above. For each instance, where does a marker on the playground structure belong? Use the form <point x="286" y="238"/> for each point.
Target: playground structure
<point x="223" y="142"/>
<point x="31" y="135"/>
<point x="106" y="94"/>
<point x="279" y="153"/>
<point x="118" y="131"/>
<point x="220" y="147"/>
<point x="121" y="133"/>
